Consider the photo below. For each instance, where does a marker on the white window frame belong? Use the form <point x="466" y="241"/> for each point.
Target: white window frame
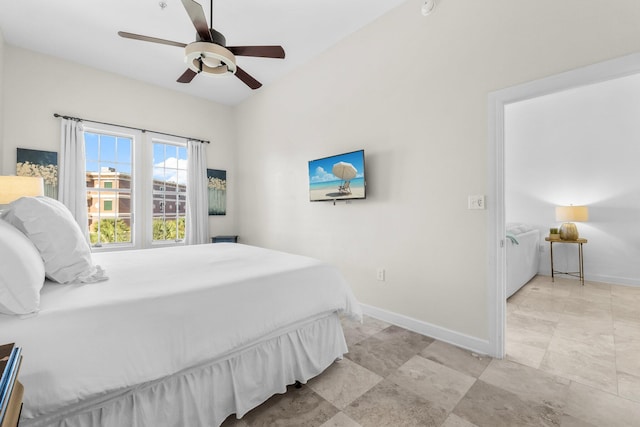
<point x="136" y="139"/>
<point x="141" y="185"/>
<point x="150" y="139"/>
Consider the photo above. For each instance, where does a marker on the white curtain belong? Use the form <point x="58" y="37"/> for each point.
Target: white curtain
<point x="197" y="231"/>
<point x="72" y="178"/>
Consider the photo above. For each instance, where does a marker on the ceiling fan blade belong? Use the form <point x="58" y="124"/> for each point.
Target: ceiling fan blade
<point x="247" y="79"/>
<point x="149" y="39"/>
<point x="196" y="13"/>
<point x="261" y="51"/>
<point x="187" y="76"/>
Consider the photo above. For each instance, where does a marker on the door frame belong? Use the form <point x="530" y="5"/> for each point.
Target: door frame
<point x="590" y="74"/>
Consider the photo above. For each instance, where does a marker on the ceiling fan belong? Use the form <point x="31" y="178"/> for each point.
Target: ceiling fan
<point x="209" y="53"/>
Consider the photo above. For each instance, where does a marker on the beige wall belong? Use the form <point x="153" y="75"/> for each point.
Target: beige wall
<point x="37" y="86"/>
<point x="412" y="91"/>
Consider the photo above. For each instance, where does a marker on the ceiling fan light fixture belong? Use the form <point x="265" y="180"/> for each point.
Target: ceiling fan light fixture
<point x="209" y="58"/>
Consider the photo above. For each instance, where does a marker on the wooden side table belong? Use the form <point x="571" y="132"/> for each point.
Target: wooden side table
<point x="578" y="274"/>
<point x="12" y="416"/>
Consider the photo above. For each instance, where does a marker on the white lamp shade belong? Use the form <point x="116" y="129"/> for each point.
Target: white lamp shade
<point x="14" y="187"/>
<point x="572" y="213"/>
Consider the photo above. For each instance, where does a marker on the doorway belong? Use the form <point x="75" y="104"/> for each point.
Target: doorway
<point x="596" y="73"/>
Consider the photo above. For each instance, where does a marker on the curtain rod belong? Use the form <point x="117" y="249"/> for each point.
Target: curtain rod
<point x="128" y="127"/>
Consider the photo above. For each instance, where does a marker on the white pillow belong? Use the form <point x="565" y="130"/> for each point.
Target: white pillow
<point x="21" y="272"/>
<point x="57" y="236"/>
<point x="516" y="228"/>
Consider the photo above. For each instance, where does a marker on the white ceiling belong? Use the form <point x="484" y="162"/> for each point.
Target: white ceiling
<point x="85" y="31"/>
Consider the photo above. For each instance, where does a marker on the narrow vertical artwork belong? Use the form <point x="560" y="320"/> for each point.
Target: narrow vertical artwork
<point x="39" y="163"/>
<point x="217" y="184"/>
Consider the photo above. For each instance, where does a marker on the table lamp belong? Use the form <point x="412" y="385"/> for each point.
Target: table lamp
<point x="568" y="230"/>
<point x="14" y="187"/>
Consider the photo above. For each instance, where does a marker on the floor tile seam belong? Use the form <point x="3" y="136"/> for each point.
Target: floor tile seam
<point x="525" y="317"/>
<point x="573" y="379"/>
<point x="528" y="330"/>
<point x="525" y="399"/>
<point x="616" y="396"/>
<point x="322" y="398"/>
<point x="591" y="360"/>
<point x="435" y="404"/>
<point x="526" y="402"/>
<point x="615" y="363"/>
<point x="446" y="367"/>
<point x="627" y="373"/>
<point x="358" y="396"/>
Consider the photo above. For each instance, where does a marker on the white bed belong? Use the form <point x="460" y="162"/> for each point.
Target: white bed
<point x="523" y="255"/>
<point x="180" y="336"/>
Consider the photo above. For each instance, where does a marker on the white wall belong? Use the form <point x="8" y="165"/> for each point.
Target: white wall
<point x="1" y="96"/>
<point x="37" y="86"/>
<point x="580" y="147"/>
<point x="412" y="91"/>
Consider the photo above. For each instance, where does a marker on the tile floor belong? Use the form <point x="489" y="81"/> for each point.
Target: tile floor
<point x="573" y="359"/>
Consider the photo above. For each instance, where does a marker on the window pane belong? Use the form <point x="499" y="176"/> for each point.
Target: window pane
<point x="182" y="153"/>
<point x="169" y="177"/>
<point x="91" y="146"/>
<point x="107" y="148"/>
<point x="182" y="205"/>
<point x="108" y="188"/>
<point x="158" y="153"/>
<point x="182" y="180"/>
<point x="124" y="150"/>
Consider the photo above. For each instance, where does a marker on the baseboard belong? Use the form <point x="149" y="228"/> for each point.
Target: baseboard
<point x="613" y="280"/>
<point x="600" y="278"/>
<point x="442" y="334"/>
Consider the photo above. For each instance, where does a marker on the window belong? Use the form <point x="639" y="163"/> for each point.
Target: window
<point x="169" y="194"/>
<point x="136" y="188"/>
<point x="109" y="191"/>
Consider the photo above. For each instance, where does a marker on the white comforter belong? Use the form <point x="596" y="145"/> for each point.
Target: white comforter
<point x="161" y="311"/>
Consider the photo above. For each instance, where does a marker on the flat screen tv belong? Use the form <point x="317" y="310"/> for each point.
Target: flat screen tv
<point x="339" y="177"/>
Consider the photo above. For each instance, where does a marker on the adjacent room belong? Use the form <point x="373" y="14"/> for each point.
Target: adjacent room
<point x="274" y="213"/>
<point x="586" y="139"/>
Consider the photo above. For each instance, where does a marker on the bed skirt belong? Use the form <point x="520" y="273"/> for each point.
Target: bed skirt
<point x="206" y="395"/>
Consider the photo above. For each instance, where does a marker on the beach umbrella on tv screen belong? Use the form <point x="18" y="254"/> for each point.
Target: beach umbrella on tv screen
<point x="343" y="170"/>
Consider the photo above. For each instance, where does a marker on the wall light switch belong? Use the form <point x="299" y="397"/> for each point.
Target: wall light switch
<point x="476" y="202"/>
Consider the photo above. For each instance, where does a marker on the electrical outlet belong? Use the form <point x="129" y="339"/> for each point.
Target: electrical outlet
<point x="476" y="202"/>
<point x="380" y="274"/>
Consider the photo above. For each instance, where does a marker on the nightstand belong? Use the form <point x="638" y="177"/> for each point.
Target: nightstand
<point x="221" y="239"/>
<point x="578" y="274"/>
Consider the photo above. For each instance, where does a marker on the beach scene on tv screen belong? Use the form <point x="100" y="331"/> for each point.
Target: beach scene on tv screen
<point x="337" y="177"/>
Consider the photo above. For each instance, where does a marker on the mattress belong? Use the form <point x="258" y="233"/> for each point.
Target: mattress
<point x="522" y="256"/>
<point x="163" y="311"/>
